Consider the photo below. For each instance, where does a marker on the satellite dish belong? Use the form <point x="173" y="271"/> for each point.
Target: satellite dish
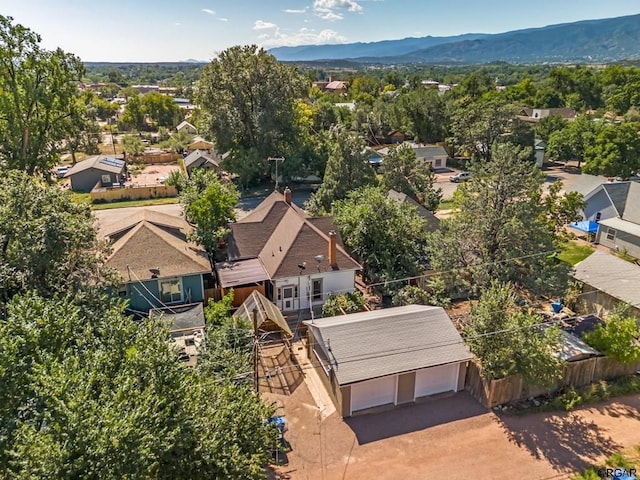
<point x="319" y="258"/>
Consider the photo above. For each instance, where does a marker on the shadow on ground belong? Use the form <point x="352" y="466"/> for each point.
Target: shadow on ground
<point x="428" y="413"/>
<point x="567" y="440"/>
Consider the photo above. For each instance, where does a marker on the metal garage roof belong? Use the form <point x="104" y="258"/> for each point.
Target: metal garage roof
<point x="367" y="345"/>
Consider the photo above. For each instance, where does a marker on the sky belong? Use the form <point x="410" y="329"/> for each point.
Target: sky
<point x="170" y="30"/>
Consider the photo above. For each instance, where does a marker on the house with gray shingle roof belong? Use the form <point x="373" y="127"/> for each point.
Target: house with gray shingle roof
<point x="201" y="159"/>
<point x="607" y="282"/>
<point x="302" y="256"/>
<point x="387" y="357"/>
<point x="615" y="206"/>
<point x="159" y="267"/>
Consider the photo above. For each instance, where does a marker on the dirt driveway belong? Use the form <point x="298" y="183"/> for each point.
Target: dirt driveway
<point x="452" y="438"/>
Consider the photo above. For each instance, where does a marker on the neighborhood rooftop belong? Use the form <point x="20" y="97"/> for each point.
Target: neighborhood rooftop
<point x="384" y="342"/>
<point x="611" y="275"/>
<point x="100" y="162"/>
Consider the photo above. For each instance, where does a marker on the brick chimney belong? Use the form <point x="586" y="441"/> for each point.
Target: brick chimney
<point x="287" y="195"/>
<point x="333" y="260"/>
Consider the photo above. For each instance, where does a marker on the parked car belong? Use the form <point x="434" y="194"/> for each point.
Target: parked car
<point x="61" y="171"/>
<point x="460" y="177"/>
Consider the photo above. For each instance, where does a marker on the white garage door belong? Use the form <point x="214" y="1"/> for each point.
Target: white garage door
<point x="372" y="393"/>
<point x="430" y="381"/>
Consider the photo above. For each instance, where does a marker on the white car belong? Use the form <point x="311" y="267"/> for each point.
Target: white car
<point x="62" y="171"/>
<point x="460" y="177"/>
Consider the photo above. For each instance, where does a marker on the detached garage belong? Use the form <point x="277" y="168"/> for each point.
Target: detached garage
<point x="387" y="357"/>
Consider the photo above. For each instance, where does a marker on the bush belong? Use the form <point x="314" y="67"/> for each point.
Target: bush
<point x="618" y="338"/>
<point x="338" y="304"/>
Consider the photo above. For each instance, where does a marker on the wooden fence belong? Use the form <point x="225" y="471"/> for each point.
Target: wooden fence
<point x="575" y="374"/>
<point x="132" y="193"/>
<point x="153" y="158"/>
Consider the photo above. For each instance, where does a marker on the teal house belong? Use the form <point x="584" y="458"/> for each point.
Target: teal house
<point x="158" y="265"/>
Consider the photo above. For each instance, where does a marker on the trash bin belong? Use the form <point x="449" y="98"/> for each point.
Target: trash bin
<point x="557" y="307"/>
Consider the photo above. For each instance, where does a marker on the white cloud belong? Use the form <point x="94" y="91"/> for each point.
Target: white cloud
<point x="209" y="11"/>
<point x="304" y="36"/>
<point x="261" y="25"/>
<point x="293" y="10"/>
<point x="223" y="19"/>
<point x="178" y="24"/>
<point x="332" y="9"/>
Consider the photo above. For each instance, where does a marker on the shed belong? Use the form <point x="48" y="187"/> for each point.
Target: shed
<point x="387" y="357"/>
<point x="99" y="169"/>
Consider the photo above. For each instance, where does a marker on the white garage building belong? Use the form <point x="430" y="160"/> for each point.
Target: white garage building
<point x="387" y="357"/>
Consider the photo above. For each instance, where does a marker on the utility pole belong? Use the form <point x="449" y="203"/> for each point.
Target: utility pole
<point x="255" y="350"/>
<point x="276" y="160"/>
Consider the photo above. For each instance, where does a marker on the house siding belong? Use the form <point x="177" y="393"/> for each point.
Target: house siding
<point x="85" y="181"/>
<point x="600" y="303"/>
<point x="622" y="241"/>
<point x="341" y="281"/>
<point x="145" y="295"/>
<point x="601" y="203"/>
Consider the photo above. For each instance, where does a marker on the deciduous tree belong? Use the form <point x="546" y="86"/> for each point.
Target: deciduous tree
<point x="38" y="99"/>
<point x="615" y="151"/>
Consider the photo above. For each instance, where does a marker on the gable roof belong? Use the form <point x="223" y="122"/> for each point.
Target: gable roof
<point x="185" y="124"/>
<point x="586" y="184"/>
<point x="283" y="236"/>
<point x="154" y="217"/>
<point x="336" y="85"/>
<point x="383" y="342"/>
<point x="98" y="162"/>
<point x="148" y="246"/>
<point x="611" y="275"/>
<point x="624" y="197"/>
<point x="432" y="222"/>
<point x="197" y="158"/>
<point x="265" y="310"/>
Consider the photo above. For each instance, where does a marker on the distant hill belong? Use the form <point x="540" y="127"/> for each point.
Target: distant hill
<point x="588" y="41"/>
<point x="373" y="49"/>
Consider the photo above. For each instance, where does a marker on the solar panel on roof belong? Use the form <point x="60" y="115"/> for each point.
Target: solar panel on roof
<point x="112" y="162"/>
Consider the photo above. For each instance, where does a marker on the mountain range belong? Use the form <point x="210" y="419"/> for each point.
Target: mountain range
<point x="587" y="41"/>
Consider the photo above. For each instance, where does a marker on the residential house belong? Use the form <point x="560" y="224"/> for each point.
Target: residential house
<point x="337" y="86"/>
<point x="534" y="115"/>
<point x="302" y="256"/>
<point x="201" y="144"/>
<point x="201" y="159"/>
<point x="185" y="126"/>
<point x="433" y="155"/>
<point x="394" y="137"/>
<point x="157" y="263"/>
<point x="615" y="206"/>
<point x="608" y="281"/>
<point x="387" y="357"/>
<point x="432" y="223"/>
<point x="96" y="171"/>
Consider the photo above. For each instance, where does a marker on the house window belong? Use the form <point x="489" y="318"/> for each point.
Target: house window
<point x="438" y="162"/>
<point x="598" y="216"/>
<point x="171" y="291"/>
<point x="611" y="234"/>
<point x="316" y="288"/>
<point x="106" y="179"/>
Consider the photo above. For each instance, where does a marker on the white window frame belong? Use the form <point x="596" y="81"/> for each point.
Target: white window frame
<point x="171" y="280"/>
<point x="317" y="297"/>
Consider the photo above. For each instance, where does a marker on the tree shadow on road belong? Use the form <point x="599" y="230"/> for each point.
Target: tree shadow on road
<point x="371" y="427"/>
<point x="565" y="440"/>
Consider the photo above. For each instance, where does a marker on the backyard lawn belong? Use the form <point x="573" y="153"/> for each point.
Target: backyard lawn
<point x="573" y="252"/>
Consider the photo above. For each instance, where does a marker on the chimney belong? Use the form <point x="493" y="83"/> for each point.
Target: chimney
<point x="287" y="195"/>
<point x="333" y="261"/>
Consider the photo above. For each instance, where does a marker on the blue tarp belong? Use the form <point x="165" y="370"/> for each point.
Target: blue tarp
<point x="586" y="226"/>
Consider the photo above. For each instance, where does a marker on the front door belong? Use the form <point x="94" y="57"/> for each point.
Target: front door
<point x="287" y="298"/>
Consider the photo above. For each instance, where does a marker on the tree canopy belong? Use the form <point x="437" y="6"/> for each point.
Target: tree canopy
<point x="38" y="101"/>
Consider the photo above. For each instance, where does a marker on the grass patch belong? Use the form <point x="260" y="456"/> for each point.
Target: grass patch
<point x="573" y="252"/>
<point x="135" y="203"/>
<point x="81" y="197"/>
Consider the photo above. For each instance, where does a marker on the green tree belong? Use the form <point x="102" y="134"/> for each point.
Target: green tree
<point x="388" y="237"/>
<point x="248" y="101"/>
<point x="402" y="173"/>
<point x="573" y="141"/>
<point x="563" y="209"/>
<point x="508" y="340"/>
<point x="88" y="393"/>
<point x="38" y="100"/>
<point x="547" y="125"/>
<point x="178" y="142"/>
<point x="435" y="293"/>
<point x="47" y="242"/>
<point x="162" y="109"/>
<point x="343" y="303"/>
<point x="425" y="115"/>
<point x="477" y="125"/>
<point x="501" y="231"/>
<point x="618" y="338"/>
<point x="347" y="169"/>
<point x="132" y="145"/>
<point x="209" y="205"/>
<point x="615" y="151"/>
